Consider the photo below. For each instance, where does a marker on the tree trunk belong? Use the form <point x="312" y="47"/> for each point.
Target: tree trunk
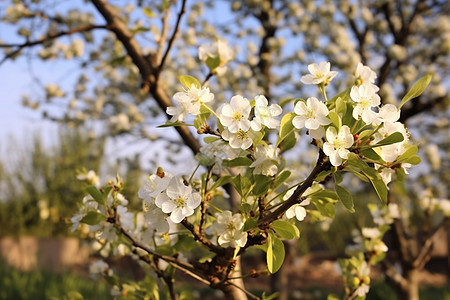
<point x="235" y="292"/>
<point x="411" y="290"/>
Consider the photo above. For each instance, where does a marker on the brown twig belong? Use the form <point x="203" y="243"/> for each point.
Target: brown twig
<point x="296" y="197"/>
<point x="46" y="38"/>
<point x="171" y="40"/>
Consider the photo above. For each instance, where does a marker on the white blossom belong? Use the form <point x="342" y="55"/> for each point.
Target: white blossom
<point x="265" y="161"/>
<point x="125" y="218"/>
<point x="100" y="267"/>
<point x="320" y="74"/>
<point x="192" y="98"/>
<point x="365" y="76"/>
<point x="234" y="115"/>
<point x="264" y="114"/>
<point x="179" y="200"/>
<point x="218" y="50"/>
<point x="365" y="96"/>
<point x="337" y="144"/>
<point x="229" y="229"/>
<point x="311" y="115"/>
<point x="241" y="139"/>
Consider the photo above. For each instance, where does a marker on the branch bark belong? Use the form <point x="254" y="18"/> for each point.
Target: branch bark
<point x="147" y="65"/>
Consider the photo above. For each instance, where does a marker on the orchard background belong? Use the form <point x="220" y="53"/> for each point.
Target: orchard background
<point x="96" y="78"/>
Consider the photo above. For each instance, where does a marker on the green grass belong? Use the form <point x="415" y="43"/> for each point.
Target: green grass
<point x="36" y="285"/>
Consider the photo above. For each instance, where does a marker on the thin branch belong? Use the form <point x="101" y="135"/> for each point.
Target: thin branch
<point x="296" y="197"/>
<point x="201" y="237"/>
<point x="171" y="41"/>
<point x="162" y="39"/>
<point x="423" y="256"/>
<point x="245" y="291"/>
<point x="178" y="264"/>
<point x="146" y="66"/>
<point x="46" y="38"/>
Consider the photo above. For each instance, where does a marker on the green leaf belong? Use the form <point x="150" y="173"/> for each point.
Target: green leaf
<point x="221" y="181"/>
<point x="92" y="218"/>
<point x="371" y="154"/>
<point x="237" y="162"/>
<point x="417" y="89"/>
<point x="250" y="224"/>
<point x="365" y="134"/>
<point x="262" y="184"/>
<point x="281" y="178"/>
<point x="343" y="95"/>
<point x="95" y="193"/>
<point x="148" y="12"/>
<point x="275" y="253"/>
<point x="201" y="119"/>
<point x="213" y="63"/>
<point x="380" y="188"/>
<point x="345" y="197"/>
<point x="285" y="229"/>
<point x="335" y="119"/>
<point x="337" y="178"/>
<point x="341" y="106"/>
<point x="271" y="296"/>
<point x="286" y="135"/>
<point x="324" y="207"/>
<point x="242" y="184"/>
<point x="174" y="124"/>
<point x="210" y="139"/>
<point x="188" y="81"/>
<point x="396" y="137"/>
<point x="411" y="151"/>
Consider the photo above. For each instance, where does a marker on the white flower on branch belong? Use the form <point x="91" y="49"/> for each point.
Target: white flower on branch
<point x="228" y="228"/>
<point x="265" y="161"/>
<point x="320" y="74"/>
<point x="264" y="114"/>
<point x="178" y="200"/>
<point x="234" y="115"/>
<point x="365" y="96"/>
<point x="311" y="115"/>
<point x="337" y="144"/>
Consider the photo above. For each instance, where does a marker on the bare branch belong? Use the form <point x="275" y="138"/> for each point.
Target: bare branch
<point x="423" y="256"/>
<point x="296" y="197"/>
<point x="46" y="38"/>
<point x="172" y="39"/>
<point x="146" y="65"/>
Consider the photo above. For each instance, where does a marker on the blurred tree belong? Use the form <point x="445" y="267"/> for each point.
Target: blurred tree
<point x="128" y="56"/>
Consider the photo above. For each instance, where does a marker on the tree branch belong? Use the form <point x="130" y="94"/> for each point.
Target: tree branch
<point x="146" y="65"/>
<point x="46" y="39"/>
<point x="296" y="197"/>
<point x="172" y="39"/>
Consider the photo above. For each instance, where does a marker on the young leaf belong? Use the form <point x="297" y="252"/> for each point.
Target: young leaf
<point x="95" y="193"/>
<point x="285" y="229"/>
<point x="275" y="253"/>
<point x="286" y="136"/>
<point x="250" y="224"/>
<point x="417" y="89"/>
<point x="334" y="117"/>
<point x="341" y="106"/>
<point x="188" y="81"/>
<point x="262" y="185"/>
<point x="371" y="154"/>
<point x="92" y="218"/>
<point x="345" y="197"/>
<point x="237" y="162"/>
<point x="380" y="188"/>
<point x="396" y="137"/>
<point x="221" y="181"/>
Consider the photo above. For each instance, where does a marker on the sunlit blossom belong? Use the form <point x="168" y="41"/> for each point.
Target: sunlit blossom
<point x="320" y="74"/>
<point x="264" y="114"/>
<point x="179" y="200"/>
<point x="234" y="115"/>
<point x="229" y="229"/>
<point x="311" y="114"/>
<point x="337" y="144"/>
